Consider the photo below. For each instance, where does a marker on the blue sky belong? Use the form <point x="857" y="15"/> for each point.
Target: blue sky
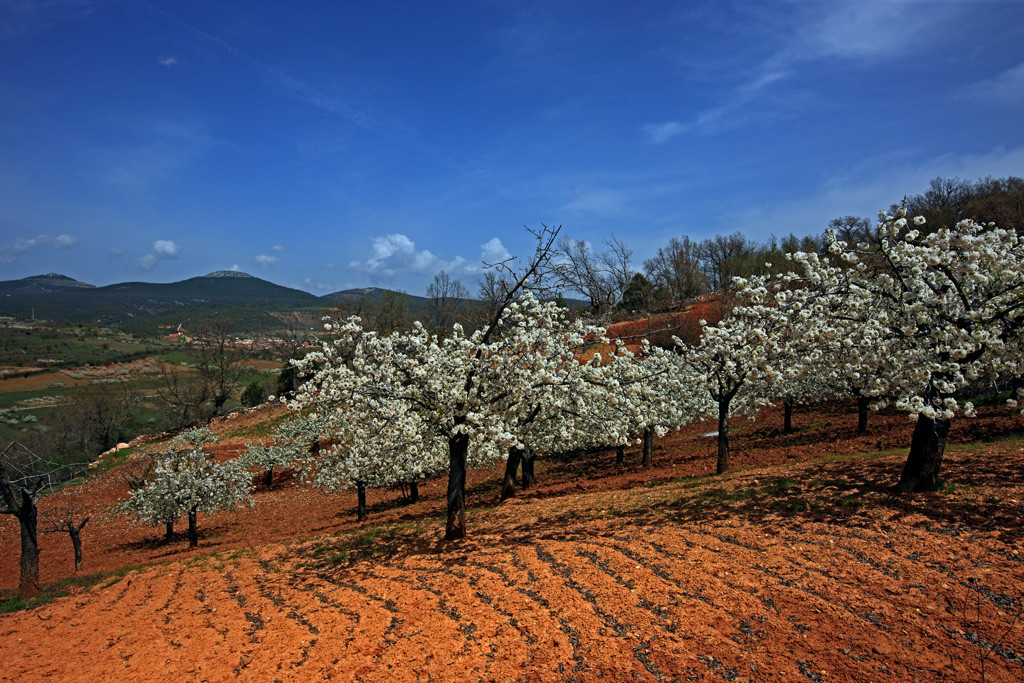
<point x="329" y="145"/>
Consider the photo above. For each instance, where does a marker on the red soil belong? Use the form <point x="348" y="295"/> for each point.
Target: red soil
<point x="659" y="329"/>
<point x="791" y="569"/>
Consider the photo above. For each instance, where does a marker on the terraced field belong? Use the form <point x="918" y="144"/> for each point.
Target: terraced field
<point x="805" y="571"/>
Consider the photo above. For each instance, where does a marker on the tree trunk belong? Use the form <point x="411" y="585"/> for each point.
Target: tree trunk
<point x="193" y="532"/>
<point x="862" y="414"/>
<point x="648" y="447"/>
<point x="723" y="436"/>
<point x="76" y="543"/>
<point x="620" y="454"/>
<point x="508" y="485"/>
<point x="75" y="532"/>
<point x="168" y="530"/>
<point x="28" y="586"/>
<point x="787" y="416"/>
<point x="458" y="448"/>
<point x="219" y="402"/>
<point x="360" y="501"/>
<point x="528" y="459"/>
<point x="268" y="477"/>
<point x="921" y="471"/>
<point x="414" y="491"/>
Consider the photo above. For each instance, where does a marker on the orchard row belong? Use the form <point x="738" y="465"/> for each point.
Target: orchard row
<point x="906" y="318"/>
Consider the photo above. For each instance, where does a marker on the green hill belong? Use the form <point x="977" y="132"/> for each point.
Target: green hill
<point x="127" y="304"/>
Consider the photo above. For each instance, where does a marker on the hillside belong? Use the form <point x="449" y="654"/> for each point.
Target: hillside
<point x="659" y="329"/>
<point x="355" y="299"/>
<point x="50" y="283"/>
<point x="799" y="566"/>
<point x="53" y="297"/>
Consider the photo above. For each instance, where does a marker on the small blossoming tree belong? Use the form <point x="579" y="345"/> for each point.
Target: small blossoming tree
<point x="188" y="482"/>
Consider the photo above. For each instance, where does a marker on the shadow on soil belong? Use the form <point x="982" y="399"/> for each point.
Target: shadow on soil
<point x="849" y="491"/>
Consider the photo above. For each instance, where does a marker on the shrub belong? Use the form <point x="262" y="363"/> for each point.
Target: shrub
<point x="254" y="394"/>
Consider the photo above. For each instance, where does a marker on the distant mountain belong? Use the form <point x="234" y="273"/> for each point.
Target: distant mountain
<point x="146" y="308"/>
<point x="41" y="284"/>
<point x="229" y="273"/>
<point x="57" y="297"/>
<point x="350" y="298"/>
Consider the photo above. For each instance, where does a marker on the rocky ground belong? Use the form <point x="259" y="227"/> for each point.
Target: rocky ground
<point x="798" y="566"/>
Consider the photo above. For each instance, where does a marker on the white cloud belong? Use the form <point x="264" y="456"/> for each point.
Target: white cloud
<point x="264" y="260"/>
<point x="396" y="254"/>
<point x="161" y="251"/>
<point x="166" y="249"/>
<point x="390" y="255"/>
<point x="116" y="251"/>
<point x="235" y="268"/>
<point x="493" y="251"/>
<point x="660" y="133"/>
<point x="20" y="245"/>
<point x="170" y="60"/>
<point x="1006" y="88"/>
<point x="65" y="241"/>
<point x="277" y="247"/>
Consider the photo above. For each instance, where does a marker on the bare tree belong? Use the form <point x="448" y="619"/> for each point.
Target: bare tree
<point x="601" y="277"/>
<point x="724" y="257"/>
<point x="392" y="313"/>
<point x="290" y="344"/>
<point x="491" y="292"/>
<point x="217" y="358"/>
<point x="65" y="513"/>
<point x="184" y="392"/>
<point x="445" y="297"/>
<point x="91" y="421"/>
<point x="24" y="478"/>
<point x="852" y="230"/>
<point x="675" y="273"/>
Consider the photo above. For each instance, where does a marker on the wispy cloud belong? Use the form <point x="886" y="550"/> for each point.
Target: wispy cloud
<point x="157" y="148"/>
<point x="11" y="251"/>
<point x="868" y="188"/>
<point x="660" y="133"/>
<point x="853" y="32"/>
<point x="862" y="30"/>
<point x="266" y="261"/>
<point x="322" y="286"/>
<point x="289" y="85"/>
<point x="601" y="200"/>
<point x="161" y="250"/>
<point x="28" y="17"/>
<point x="1006" y="88"/>
<point x="277" y="247"/>
<point x="170" y="60"/>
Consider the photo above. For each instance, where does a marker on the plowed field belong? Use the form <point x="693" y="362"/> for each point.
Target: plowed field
<point x="793" y="569"/>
